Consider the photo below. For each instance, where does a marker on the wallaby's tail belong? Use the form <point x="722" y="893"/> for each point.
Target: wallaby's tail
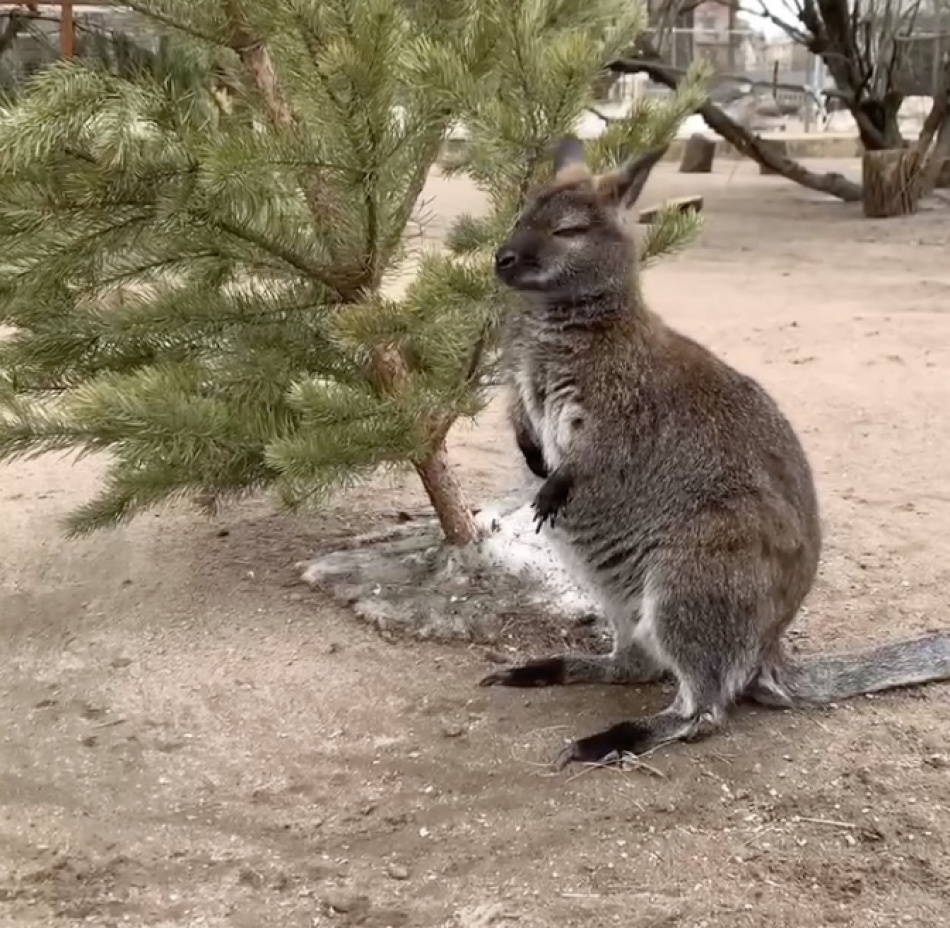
<point x="821" y="679"/>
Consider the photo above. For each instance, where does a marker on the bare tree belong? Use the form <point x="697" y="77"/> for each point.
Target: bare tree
<point x="878" y="52"/>
<point x="872" y="51"/>
<point x="866" y="46"/>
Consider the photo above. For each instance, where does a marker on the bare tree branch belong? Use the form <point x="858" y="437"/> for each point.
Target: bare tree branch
<point x="16" y="21"/>
<point x="939" y="110"/>
<point x="936" y="126"/>
<point x="740" y="138"/>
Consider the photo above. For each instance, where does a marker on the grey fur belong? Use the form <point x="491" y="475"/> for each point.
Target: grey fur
<point x="567" y="151"/>
<point x="675" y="487"/>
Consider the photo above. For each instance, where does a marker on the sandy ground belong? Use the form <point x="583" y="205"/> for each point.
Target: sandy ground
<point x="191" y="738"/>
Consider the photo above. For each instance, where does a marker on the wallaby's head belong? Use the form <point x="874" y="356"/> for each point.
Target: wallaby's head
<point x="569" y="244"/>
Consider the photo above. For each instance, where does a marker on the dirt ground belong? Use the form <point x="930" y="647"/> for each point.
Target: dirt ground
<point x="192" y="738"/>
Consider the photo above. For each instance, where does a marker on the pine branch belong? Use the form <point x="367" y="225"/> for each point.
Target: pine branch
<point x="148" y="11"/>
<point x="195" y="283"/>
<point x="672" y="230"/>
<point x="288" y="257"/>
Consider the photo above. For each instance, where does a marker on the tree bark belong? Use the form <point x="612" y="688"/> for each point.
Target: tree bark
<point x="698" y="155"/>
<point x="447" y="497"/>
<point x="943" y="175"/>
<point x="891" y="182"/>
<point x="933" y="144"/>
<point x="255" y="58"/>
<point x="779" y="147"/>
<point x="836" y="185"/>
<point x="389" y="373"/>
<point x="16" y="21"/>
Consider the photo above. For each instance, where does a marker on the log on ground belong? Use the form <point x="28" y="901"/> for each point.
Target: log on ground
<point x="891" y="182"/>
<point x="778" y="147"/>
<point x="691" y="204"/>
<point x="698" y="155"/>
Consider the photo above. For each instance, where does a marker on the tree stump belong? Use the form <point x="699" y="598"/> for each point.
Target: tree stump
<point x="778" y="147"/>
<point x="698" y="155"/>
<point x="891" y="182"/>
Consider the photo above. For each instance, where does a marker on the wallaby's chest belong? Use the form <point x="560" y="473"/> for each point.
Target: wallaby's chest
<point x="554" y="406"/>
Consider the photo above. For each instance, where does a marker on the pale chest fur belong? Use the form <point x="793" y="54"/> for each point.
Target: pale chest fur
<point x="554" y="408"/>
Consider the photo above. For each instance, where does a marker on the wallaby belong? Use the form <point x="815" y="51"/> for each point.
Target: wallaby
<point x="674" y="488"/>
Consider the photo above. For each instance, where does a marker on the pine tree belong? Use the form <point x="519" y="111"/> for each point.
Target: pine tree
<point x="196" y="245"/>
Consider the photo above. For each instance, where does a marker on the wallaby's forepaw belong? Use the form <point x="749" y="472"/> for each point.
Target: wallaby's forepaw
<point x="606" y="747"/>
<point x="551" y="498"/>
<point x="546" y="672"/>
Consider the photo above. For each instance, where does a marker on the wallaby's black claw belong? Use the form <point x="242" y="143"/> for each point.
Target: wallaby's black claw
<point x="545" y="672"/>
<point x="540" y="518"/>
<point x="497" y="678"/>
<point x="575" y="754"/>
<point x="605" y="748"/>
<point x="551" y="498"/>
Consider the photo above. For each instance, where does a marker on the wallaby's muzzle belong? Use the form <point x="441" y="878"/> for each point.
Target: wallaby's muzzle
<point x="517" y="256"/>
<point x="505" y="260"/>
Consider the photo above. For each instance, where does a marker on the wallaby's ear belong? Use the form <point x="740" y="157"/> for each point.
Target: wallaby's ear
<point x="570" y="159"/>
<point x="622" y="187"/>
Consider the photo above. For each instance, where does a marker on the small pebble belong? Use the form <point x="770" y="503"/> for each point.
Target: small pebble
<point x="452" y="729"/>
<point x="398" y="872"/>
<point x="339" y="900"/>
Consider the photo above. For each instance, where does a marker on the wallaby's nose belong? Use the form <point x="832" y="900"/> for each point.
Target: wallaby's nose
<point x="505" y="259"/>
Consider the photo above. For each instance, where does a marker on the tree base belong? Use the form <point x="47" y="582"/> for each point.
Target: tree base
<point x="699" y="154"/>
<point x="891" y="183"/>
<point x="407" y="581"/>
<point x="448" y="500"/>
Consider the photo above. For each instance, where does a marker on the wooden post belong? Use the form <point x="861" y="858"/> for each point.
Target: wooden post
<point x="891" y="182"/>
<point x="779" y="146"/>
<point x="67" y="31"/>
<point x="698" y="155"/>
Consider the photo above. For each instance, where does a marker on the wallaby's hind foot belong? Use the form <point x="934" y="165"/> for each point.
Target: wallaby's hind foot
<point x="548" y="671"/>
<point x="639" y="736"/>
<point x="628" y="668"/>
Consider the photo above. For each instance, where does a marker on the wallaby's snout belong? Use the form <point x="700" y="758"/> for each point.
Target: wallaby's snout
<point x="506" y="260"/>
<point x="517" y="261"/>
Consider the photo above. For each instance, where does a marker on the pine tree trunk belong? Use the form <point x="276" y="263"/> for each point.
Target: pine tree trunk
<point x="891" y="185"/>
<point x="448" y="500"/>
<point x="388" y="371"/>
<point x="698" y="155"/>
<point x="778" y="147"/>
<point x="255" y="57"/>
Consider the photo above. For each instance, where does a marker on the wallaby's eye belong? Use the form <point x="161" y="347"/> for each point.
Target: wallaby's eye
<point x="570" y="231"/>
